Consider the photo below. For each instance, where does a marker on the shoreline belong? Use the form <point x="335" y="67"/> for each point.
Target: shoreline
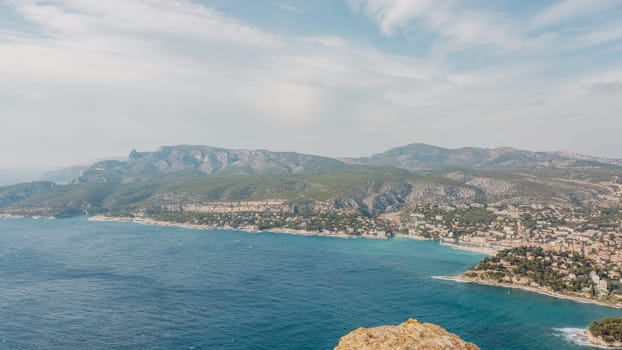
<point x="474" y="249"/>
<point x="598" y="342"/>
<point x="413" y="237"/>
<point x="484" y="250"/>
<point x="11" y="216"/>
<point x="539" y="290"/>
<point x="251" y="229"/>
<point x="20" y="217"/>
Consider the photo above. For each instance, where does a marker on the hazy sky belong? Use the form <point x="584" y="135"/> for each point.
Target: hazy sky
<point x="85" y="79"/>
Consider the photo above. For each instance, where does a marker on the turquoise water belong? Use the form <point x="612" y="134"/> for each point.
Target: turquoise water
<point x="75" y="284"/>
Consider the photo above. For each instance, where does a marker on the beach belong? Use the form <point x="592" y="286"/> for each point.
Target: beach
<point x="11" y="216"/>
<point x="471" y="248"/>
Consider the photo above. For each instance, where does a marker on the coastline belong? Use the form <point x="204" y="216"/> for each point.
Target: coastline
<point x="484" y="250"/>
<point x="11" y="216"/>
<point x="413" y="237"/>
<point x="254" y="229"/>
<point x="598" y="342"/>
<point x="251" y="229"/>
<point x="19" y="217"/>
<point x="470" y="248"/>
<point x="538" y="290"/>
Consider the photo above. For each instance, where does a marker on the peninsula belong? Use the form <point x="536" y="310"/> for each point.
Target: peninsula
<point x="605" y="333"/>
<point x="559" y="274"/>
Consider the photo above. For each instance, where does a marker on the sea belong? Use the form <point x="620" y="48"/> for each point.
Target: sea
<point x="79" y="284"/>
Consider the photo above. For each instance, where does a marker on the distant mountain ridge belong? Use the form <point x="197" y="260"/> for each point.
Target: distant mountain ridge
<point x="173" y="176"/>
<point x="418" y="156"/>
<point x="196" y="161"/>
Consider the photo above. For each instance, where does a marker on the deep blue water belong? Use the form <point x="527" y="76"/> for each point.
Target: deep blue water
<point x="75" y="284"/>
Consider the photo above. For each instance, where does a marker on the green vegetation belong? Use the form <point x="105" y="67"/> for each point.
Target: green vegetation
<point x="374" y="185"/>
<point x="608" y="329"/>
<point x="333" y="222"/>
<point x="470" y="219"/>
<point x="559" y="271"/>
<point x="346" y="187"/>
<point x="16" y="193"/>
<point x="531" y="262"/>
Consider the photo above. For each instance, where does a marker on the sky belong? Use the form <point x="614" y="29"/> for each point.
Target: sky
<point x="87" y="79"/>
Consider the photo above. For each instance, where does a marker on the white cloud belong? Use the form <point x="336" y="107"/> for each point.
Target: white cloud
<point x="458" y="25"/>
<point x="569" y="9"/>
<point x="605" y="84"/>
<point x="601" y="35"/>
<point x="449" y="19"/>
<point x="392" y="14"/>
<point x="103" y="77"/>
<point x="295" y="6"/>
<point x="605" y="87"/>
<point x="327" y="40"/>
<point x="172" y="19"/>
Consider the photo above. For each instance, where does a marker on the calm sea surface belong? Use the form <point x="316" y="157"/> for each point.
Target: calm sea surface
<point x="75" y="284"/>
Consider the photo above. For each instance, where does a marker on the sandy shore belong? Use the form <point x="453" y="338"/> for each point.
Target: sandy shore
<point x="252" y="229"/>
<point x="35" y="217"/>
<point x="471" y="248"/>
<point x="11" y="216"/>
<point x="414" y="237"/>
<point x="578" y="299"/>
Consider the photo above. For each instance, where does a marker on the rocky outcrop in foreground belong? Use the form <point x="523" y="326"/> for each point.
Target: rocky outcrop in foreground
<point x="410" y="335"/>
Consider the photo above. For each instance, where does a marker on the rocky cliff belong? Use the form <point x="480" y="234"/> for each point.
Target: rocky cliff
<point x="410" y="335"/>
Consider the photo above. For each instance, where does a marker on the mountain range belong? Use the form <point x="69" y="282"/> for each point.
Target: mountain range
<point x="419" y="156"/>
<point x="381" y="183"/>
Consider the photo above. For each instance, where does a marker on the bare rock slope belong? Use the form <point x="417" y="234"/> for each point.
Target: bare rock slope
<point x="410" y="335"/>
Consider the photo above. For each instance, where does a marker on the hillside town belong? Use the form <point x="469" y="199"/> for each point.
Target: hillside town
<point x="594" y="233"/>
<point x="560" y="274"/>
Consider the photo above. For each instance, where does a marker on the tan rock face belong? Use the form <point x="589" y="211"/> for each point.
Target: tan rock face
<point x="410" y="335"/>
